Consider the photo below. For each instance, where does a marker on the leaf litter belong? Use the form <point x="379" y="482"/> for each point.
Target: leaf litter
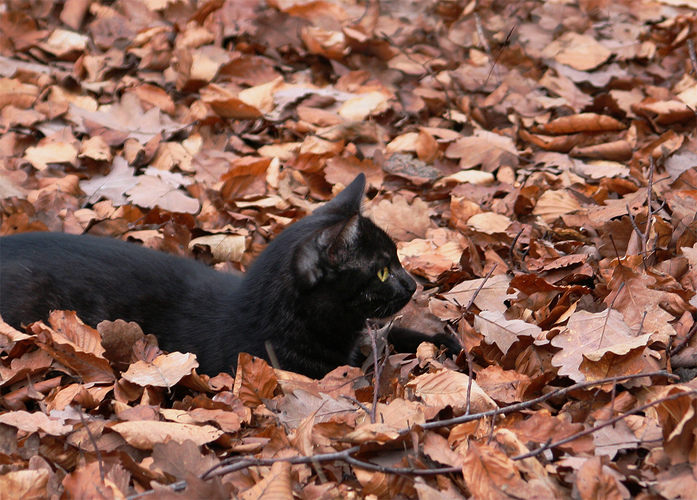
<point x="535" y="162"/>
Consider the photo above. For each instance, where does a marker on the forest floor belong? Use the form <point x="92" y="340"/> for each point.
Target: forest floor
<point x="536" y="162"/>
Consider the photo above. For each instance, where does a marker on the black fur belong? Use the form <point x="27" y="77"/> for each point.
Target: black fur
<point x="308" y="294"/>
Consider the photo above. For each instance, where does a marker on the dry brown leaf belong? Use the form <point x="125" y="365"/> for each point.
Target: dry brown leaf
<point x="224" y="247"/>
<point x="401" y="220"/>
<point x="146" y="434"/>
<point x="164" y="371"/>
<point x="276" y="484"/>
<point x="255" y="380"/>
<point x="489" y="474"/>
<point x="25" y="484"/>
<point x="591" y="336"/>
<point x="487" y="149"/>
<point x="553" y="204"/>
<point x="503" y="332"/>
<point x="593" y="482"/>
<point x="581" y="52"/>
<point x="489" y="222"/>
<point x="449" y="388"/>
<point x="35" y="422"/>
<point x="92" y="367"/>
<point x="491" y="293"/>
<point x="372" y="433"/>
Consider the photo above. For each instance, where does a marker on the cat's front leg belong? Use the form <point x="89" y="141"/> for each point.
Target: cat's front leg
<point x="406" y="340"/>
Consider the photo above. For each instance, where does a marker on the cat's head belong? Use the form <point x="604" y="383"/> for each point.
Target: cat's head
<point x="345" y="260"/>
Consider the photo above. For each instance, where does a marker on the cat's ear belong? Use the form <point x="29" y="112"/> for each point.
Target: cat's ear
<point x="326" y="249"/>
<point x="348" y="201"/>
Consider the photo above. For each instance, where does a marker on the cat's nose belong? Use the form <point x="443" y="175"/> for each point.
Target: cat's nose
<point x="407" y="282"/>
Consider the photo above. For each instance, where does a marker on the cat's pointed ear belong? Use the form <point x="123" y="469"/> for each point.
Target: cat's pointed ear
<point x="348" y="201"/>
<point x="326" y="249"/>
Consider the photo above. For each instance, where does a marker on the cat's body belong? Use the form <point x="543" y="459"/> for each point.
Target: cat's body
<point x="307" y="295"/>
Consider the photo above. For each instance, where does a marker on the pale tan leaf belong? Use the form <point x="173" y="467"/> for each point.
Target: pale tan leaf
<point x="489" y="222"/>
<point x="503" y="332"/>
<point x="224" y="247"/>
<point x="165" y="370"/>
<point x="144" y="434"/>
<point x="449" y="388"/>
<point x="24" y="484"/>
<point x="35" y="422"/>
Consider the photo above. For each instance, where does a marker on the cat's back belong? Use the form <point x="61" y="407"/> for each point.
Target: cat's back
<point x="60" y="252"/>
<point x="102" y="278"/>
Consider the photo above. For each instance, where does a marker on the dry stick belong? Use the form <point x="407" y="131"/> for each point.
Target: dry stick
<point x="532" y="402"/>
<point x="221" y="470"/>
<point x="649" y="208"/>
<point x="693" y="56"/>
<point x="491" y="429"/>
<point x="634" y="225"/>
<point x="683" y="343"/>
<point x="468" y="355"/>
<point x="505" y="42"/>
<point x="346" y="455"/>
<point x="604" y="424"/>
<point x="482" y="37"/>
<point x="607" y="316"/>
<point x="479" y="288"/>
<point x="511" y="253"/>
<point x="470" y="374"/>
<point x="376" y="370"/>
<point x="641" y="325"/>
<point x="94" y="443"/>
<point x="357" y="403"/>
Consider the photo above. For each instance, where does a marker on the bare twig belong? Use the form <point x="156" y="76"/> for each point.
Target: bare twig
<point x="607" y="316"/>
<point x="495" y="60"/>
<point x="634" y="224"/>
<point x="684" y="342"/>
<point x="235" y="464"/>
<point x="641" y="325"/>
<point x="529" y="404"/>
<point x="376" y="370"/>
<point x="93" y="442"/>
<point x="470" y="373"/>
<point x="586" y="432"/>
<point x="511" y="249"/>
<point x="479" y="288"/>
<point x="357" y="403"/>
<point x="693" y="57"/>
<point x="649" y="209"/>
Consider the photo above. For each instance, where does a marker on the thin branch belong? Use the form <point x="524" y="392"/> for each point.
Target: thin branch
<point x="479" y="288"/>
<point x="357" y="403"/>
<point x="511" y="249"/>
<point x="684" y="342"/>
<point x="607" y="316"/>
<point x="496" y="60"/>
<point x="589" y="431"/>
<point x="235" y="464"/>
<point x="532" y="402"/>
<point x="376" y="370"/>
<point x="93" y="442"/>
<point x="693" y="57"/>
<point x="634" y="224"/>
<point x="649" y="213"/>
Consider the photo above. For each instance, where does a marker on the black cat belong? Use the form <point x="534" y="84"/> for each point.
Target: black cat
<point x="308" y="294"/>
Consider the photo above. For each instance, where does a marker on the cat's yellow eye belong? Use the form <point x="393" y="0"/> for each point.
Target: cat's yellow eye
<point x="383" y="274"/>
